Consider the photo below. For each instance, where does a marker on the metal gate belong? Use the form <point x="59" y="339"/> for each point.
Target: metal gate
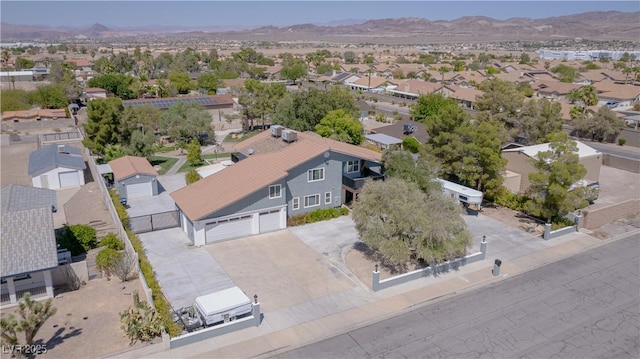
<point x="154" y="222"/>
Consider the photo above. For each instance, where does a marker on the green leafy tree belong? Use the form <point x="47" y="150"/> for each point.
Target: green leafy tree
<point x="209" y="82"/>
<point x="103" y="125"/>
<point x="557" y="170"/>
<point x="194" y="153"/>
<point x="118" y="84"/>
<point x="192" y="176"/>
<point x="417" y="169"/>
<point x="14" y="100"/>
<point x="524" y="59"/>
<point x="294" y="70"/>
<point x="145" y="118"/>
<point x="342" y="126"/>
<point x="142" y="143"/>
<point x="181" y="82"/>
<point x="428" y="107"/>
<point x="141" y="322"/>
<point x="566" y="73"/>
<point x="537" y="120"/>
<point x="411" y="144"/>
<point x="260" y="99"/>
<point x="350" y="57"/>
<point x="303" y="110"/>
<point x="32" y="315"/>
<point x="61" y="74"/>
<point x="184" y="121"/>
<point x="601" y="126"/>
<point x="49" y="96"/>
<point x="403" y="223"/>
<point x="111" y="152"/>
<point x="22" y="63"/>
<point x="501" y="99"/>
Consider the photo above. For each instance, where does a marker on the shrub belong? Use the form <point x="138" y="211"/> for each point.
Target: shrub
<point x="317" y="216"/>
<point x="107" y="259"/>
<point x="77" y="238"/>
<point x="120" y="209"/>
<point x="561" y="223"/>
<point x="192" y="176"/>
<point x="510" y="200"/>
<point x="621" y="141"/>
<point x="111" y="241"/>
<point x="411" y="144"/>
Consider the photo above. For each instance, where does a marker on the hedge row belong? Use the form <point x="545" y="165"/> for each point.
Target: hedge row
<point x="162" y="306"/>
<point x="317" y="216"/>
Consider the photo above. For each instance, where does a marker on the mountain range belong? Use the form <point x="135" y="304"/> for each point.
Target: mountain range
<point x="610" y="25"/>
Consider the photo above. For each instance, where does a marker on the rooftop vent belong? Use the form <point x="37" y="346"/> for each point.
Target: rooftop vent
<point x="276" y="131"/>
<point x="61" y="149"/>
<point x="409" y="128"/>
<point x="289" y="136"/>
<point x="250" y="151"/>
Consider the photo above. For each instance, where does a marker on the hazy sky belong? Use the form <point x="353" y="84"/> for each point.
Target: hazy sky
<point x="279" y="13"/>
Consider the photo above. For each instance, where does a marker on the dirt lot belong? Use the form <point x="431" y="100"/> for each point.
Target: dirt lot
<point x="87" y="323"/>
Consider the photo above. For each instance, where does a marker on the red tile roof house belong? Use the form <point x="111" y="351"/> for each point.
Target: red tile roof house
<point x="274" y="177"/>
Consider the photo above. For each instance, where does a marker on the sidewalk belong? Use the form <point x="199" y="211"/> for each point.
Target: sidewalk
<point x="264" y="341"/>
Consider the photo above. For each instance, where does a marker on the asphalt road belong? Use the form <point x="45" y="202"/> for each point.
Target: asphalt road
<point x="586" y="306"/>
<point x="624" y="151"/>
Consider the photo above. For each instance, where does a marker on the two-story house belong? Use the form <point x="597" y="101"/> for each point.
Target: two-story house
<point x="277" y="174"/>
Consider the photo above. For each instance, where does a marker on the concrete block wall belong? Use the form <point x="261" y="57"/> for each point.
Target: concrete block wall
<point x="601" y="216"/>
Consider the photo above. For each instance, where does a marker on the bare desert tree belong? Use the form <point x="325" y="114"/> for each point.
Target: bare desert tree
<point x="125" y="265"/>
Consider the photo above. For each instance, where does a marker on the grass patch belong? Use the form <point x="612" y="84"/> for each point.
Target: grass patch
<point x="163" y="149"/>
<point x="242" y="137"/>
<point x="187" y="166"/>
<point x="164" y="162"/>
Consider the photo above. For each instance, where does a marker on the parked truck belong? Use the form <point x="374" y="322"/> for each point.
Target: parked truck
<point x="222" y="306"/>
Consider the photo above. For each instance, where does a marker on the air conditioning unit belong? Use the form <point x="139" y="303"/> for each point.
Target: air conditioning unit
<point x="409" y="128"/>
<point x="289" y="136"/>
<point x="276" y="131"/>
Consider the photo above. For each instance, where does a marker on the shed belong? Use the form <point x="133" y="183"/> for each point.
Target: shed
<point x="57" y="166"/>
<point x="134" y="177"/>
<point x="382" y="140"/>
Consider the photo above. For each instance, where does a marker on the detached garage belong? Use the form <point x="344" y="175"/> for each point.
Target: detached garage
<point x="57" y="166"/>
<point x="134" y="177"/>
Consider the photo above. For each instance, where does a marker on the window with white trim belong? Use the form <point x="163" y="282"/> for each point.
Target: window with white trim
<point x="275" y="191"/>
<point x="312" y="200"/>
<point x="353" y="166"/>
<point x="295" y="203"/>
<point x="316" y="174"/>
<point x="327" y="197"/>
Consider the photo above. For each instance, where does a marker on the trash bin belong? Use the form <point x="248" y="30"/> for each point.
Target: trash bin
<point x="123" y="201"/>
<point x="496" y="267"/>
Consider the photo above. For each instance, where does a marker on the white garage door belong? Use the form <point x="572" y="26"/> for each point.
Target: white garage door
<point x="68" y="179"/>
<point x="269" y="221"/>
<point x="227" y="229"/>
<point x="138" y="190"/>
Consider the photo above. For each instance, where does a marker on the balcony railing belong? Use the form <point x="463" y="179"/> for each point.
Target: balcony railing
<point x="358" y="182"/>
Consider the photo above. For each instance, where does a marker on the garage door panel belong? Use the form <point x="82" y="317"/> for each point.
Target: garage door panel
<point x="69" y="179"/>
<point x="138" y="190"/>
<point x="227" y="229"/>
<point x="269" y="221"/>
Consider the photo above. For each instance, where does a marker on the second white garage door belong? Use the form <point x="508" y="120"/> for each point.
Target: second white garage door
<point x="270" y="221"/>
<point x="227" y="229"/>
<point x="69" y="179"/>
<point x="138" y="190"/>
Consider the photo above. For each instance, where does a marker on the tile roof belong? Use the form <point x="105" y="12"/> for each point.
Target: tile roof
<point x="465" y="93"/>
<point x="33" y="114"/>
<point x="49" y="157"/>
<point x="560" y="88"/>
<point x="270" y="162"/>
<point x="417" y="87"/>
<point x="27" y="241"/>
<point x="127" y="166"/>
<point x="375" y="81"/>
<point x="16" y="197"/>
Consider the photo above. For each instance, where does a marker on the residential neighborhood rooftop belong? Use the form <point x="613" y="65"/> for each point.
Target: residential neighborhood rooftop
<point x="127" y="166"/>
<point x="532" y="151"/>
<point x="16" y="197"/>
<point x="53" y="156"/>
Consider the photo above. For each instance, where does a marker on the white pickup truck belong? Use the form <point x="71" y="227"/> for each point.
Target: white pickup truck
<point x="222" y="306"/>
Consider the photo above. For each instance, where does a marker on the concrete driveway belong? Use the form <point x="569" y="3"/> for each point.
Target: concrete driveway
<point x="184" y="272"/>
<point x="294" y="283"/>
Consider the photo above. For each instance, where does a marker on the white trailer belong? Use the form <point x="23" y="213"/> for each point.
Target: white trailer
<point x="222" y="306"/>
<point x="461" y="193"/>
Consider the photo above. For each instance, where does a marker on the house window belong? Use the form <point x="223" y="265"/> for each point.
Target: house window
<point x="327" y="197"/>
<point x="275" y="191"/>
<point x="353" y="166"/>
<point x="295" y="204"/>
<point x="312" y="200"/>
<point x="316" y="174"/>
<point x="17" y="278"/>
